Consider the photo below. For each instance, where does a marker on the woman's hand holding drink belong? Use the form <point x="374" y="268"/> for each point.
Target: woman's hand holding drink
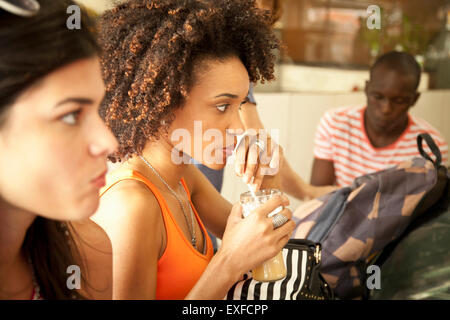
<point x="248" y="242"/>
<point x="274" y="268"/>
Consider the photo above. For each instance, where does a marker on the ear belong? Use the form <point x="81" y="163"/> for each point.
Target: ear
<point x="366" y="87"/>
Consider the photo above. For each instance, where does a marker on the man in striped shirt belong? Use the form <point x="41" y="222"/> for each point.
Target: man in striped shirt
<point x="355" y="141"/>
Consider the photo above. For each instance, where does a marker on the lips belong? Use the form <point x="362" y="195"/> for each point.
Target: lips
<point x="100" y="180"/>
<point x="383" y="123"/>
<point x="228" y="151"/>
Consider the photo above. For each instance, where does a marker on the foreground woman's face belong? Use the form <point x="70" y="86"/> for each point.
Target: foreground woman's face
<point x="53" y="144"/>
<point x="203" y="128"/>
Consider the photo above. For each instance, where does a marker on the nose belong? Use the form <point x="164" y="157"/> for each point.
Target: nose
<point x="236" y="125"/>
<point x="385" y="107"/>
<point x="102" y="140"/>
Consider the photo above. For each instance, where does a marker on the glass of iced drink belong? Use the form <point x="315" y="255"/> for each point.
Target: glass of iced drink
<point x="274" y="268"/>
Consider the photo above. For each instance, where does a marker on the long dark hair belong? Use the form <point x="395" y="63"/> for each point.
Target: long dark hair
<point x="31" y="48"/>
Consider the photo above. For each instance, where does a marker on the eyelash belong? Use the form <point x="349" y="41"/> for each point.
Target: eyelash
<point x="75" y="113"/>
<point x="225" y="106"/>
<point x="243" y="102"/>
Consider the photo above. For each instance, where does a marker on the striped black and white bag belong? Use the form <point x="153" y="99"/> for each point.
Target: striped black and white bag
<point x="302" y="282"/>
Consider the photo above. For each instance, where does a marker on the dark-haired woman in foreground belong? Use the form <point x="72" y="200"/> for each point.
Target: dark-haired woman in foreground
<point x="53" y="149"/>
<point x="169" y="67"/>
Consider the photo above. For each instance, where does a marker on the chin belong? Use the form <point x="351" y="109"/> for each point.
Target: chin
<point x="83" y="209"/>
<point x="379" y="127"/>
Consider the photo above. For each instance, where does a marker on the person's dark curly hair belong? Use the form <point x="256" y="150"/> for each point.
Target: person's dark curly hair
<point x="150" y="48"/>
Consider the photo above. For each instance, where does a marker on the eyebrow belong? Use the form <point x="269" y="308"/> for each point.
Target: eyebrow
<point x="228" y="95"/>
<point x="74" y="100"/>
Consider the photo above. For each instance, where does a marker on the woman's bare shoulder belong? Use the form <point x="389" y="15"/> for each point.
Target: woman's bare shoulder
<point x="128" y="203"/>
<point x="131" y="216"/>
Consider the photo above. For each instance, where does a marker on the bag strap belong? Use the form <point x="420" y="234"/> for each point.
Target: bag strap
<point x="433" y="147"/>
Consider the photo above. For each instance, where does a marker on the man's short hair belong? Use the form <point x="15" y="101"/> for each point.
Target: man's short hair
<point x="400" y="62"/>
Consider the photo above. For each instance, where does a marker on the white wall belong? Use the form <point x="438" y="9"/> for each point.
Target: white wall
<point x="300" y="78"/>
<point x="98" y="5"/>
<point x="296" y="115"/>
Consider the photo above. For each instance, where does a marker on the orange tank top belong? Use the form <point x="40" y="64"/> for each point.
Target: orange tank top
<point x="181" y="265"/>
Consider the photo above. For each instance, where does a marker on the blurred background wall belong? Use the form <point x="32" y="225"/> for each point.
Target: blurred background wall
<point x="98" y="5"/>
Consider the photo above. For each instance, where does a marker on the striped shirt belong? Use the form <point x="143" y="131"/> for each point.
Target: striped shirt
<point x="342" y="139"/>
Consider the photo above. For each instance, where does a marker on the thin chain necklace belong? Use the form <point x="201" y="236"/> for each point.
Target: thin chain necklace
<point x="191" y="228"/>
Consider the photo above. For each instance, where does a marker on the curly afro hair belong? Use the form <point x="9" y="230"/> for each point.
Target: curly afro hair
<point x="150" y="50"/>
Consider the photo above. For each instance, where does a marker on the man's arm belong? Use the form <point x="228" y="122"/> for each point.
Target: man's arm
<point x="295" y="186"/>
<point x="322" y="173"/>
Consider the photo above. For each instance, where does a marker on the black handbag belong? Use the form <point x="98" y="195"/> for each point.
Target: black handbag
<point x="303" y="280"/>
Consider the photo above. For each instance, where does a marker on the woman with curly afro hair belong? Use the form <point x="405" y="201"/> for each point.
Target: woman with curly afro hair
<point x="173" y="70"/>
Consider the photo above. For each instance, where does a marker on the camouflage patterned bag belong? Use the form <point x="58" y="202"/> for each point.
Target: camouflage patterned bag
<point x="355" y="223"/>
